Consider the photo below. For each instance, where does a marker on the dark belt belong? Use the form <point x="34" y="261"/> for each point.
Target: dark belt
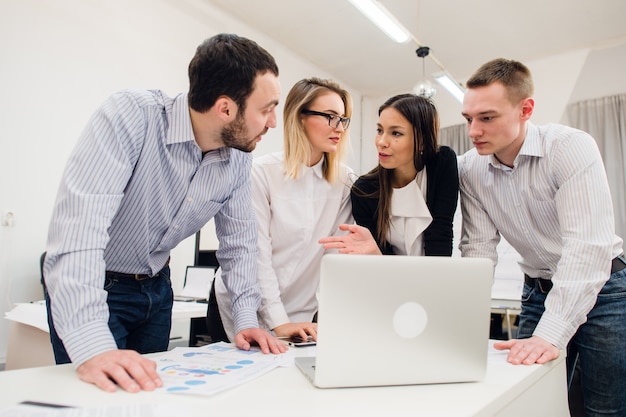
<point x="136" y="277"/>
<point x="618" y="263"/>
<point x="545" y="285"/>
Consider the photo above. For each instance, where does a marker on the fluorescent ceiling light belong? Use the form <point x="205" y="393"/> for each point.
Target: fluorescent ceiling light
<point x="449" y="84"/>
<point x="382" y="18"/>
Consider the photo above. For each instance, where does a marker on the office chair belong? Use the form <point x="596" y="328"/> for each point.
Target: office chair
<point x="41" y="261"/>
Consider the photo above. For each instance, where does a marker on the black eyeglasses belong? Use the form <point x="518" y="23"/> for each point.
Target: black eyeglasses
<point x="333" y="119"/>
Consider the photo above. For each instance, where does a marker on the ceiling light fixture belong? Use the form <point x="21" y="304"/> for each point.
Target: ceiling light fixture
<point x="450" y="84"/>
<point x="424" y="88"/>
<point x="382" y="18"/>
<point x="387" y="22"/>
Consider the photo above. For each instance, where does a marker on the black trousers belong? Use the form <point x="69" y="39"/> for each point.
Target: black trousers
<point x="214" y="325"/>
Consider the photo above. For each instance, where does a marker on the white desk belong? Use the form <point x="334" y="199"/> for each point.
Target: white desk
<point x="506" y="294"/>
<point x="507" y="391"/>
<point x="29" y="339"/>
<point x="34" y="314"/>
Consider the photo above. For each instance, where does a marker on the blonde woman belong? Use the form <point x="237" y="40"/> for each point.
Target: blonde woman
<point x="299" y="195"/>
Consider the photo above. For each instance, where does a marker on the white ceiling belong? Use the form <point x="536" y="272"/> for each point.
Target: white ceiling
<point x="461" y="34"/>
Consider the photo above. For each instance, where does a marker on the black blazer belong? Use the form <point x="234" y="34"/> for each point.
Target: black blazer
<point x="442" y="194"/>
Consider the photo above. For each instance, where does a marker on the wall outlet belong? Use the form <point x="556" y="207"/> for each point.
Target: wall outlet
<point x="8" y="218"/>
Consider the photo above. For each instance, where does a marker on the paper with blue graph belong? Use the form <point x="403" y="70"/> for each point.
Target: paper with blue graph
<point x="216" y="367"/>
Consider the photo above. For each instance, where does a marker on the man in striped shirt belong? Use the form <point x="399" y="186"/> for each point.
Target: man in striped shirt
<point x="544" y="189"/>
<point x="149" y="171"/>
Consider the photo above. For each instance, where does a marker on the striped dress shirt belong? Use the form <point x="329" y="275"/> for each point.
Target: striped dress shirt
<point x="554" y="207"/>
<point x="135" y="186"/>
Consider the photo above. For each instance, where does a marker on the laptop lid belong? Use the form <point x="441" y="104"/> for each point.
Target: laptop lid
<point x="198" y="280"/>
<point x="398" y="320"/>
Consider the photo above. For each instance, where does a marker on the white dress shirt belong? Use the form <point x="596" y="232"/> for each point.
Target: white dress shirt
<point x="554" y="207"/>
<point x="292" y="216"/>
<point x="409" y="217"/>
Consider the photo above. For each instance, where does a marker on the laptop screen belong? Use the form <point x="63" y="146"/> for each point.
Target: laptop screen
<point x="393" y="320"/>
<point x="198" y="280"/>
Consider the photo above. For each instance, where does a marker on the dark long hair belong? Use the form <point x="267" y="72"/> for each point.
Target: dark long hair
<point x="422" y="114"/>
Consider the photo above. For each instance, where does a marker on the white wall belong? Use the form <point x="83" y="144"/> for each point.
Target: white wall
<point x="602" y="73"/>
<point x="60" y="59"/>
<point x="559" y="80"/>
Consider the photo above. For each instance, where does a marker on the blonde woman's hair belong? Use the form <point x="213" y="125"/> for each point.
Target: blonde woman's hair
<point x="296" y="144"/>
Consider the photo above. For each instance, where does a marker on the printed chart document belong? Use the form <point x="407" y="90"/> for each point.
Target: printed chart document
<point x="216" y="367"/>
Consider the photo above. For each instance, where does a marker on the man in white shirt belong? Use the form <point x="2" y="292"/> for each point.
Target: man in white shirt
<point x="544" y="189"/>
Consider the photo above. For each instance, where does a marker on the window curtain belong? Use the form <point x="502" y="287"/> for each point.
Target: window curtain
<point x="605" y="119"/>
<point x="455" y="137"/>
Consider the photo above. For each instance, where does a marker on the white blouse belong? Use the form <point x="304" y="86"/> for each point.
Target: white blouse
<point x="409" y="217"/>
<point x="292" y="216"/>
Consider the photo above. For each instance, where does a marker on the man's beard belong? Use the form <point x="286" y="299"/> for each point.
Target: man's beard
<point x="235" y="135"/>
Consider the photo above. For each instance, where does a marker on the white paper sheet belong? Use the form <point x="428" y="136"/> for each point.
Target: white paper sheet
<point x="216" y="367"/>
<point x="34" y="314"/>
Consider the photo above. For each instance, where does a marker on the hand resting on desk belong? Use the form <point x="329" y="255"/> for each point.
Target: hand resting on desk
<point x="266" y="341"/>
<point x="133" y="372"/>
<point x="302" y="329"/>
<point x="126" y="368"/>
<point x="529" y="351"/>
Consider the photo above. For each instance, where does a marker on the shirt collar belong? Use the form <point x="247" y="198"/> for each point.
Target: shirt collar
<point x="219" y="154"/>
<point x="531" y="147"/>
<point x="180" y="129"/>
<point x="532" y="142"/>
<point x="317" y="168"/>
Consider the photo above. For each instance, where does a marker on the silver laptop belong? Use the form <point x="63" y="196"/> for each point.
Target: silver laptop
<point x="400" y="320"/>
<point x="198" y="280"/>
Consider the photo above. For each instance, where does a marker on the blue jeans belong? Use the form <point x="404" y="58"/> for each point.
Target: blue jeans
<point x="599" y="346"/>
<point x="140" y="314"/>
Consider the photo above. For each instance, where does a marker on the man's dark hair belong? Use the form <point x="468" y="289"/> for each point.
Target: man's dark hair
<point x="226" y="65"/>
